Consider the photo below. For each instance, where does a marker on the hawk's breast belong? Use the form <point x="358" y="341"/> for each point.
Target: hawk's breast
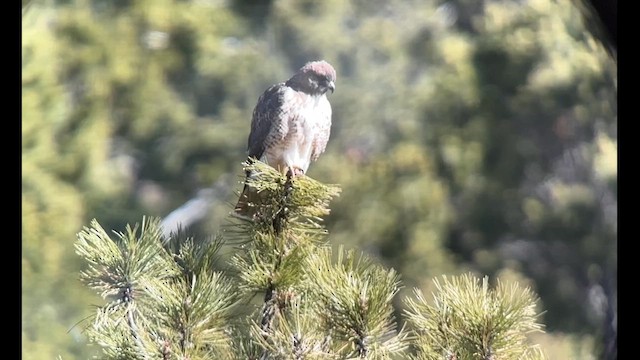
<point x="306" y="132"/>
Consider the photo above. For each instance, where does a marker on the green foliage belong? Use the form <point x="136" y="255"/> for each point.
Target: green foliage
<point x="354" y="298"/>
<point x="118" y="267"/>
<point x="467" y="320"/>
<point x="295" y="334"/>
<point x="163" y="299"/>
<point x="160" y="304"/>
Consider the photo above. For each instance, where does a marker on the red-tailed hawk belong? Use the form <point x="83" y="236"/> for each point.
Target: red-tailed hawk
<point x="291" y="124"/>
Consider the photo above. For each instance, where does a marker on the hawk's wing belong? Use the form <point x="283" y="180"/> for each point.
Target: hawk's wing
<point x="268" y="126"/>
<point x="268" y="120"/>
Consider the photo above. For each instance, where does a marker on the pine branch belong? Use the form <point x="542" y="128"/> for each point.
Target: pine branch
<point x="300" y="201"/>
<point x="354" y="304"/>
<point x="164" y="302"/>
<point x="467" y="320"/>
<point x="134" y="331"/>
<point x="296" y="334"/>
<point x="286" y="223"/>
<point x="116" y="268"/>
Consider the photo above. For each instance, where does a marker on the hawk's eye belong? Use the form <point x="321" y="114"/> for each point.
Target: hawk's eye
<point x="324" y="79"/>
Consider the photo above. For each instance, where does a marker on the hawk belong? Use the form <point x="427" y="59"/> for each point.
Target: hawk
<point x="291" y="124"/>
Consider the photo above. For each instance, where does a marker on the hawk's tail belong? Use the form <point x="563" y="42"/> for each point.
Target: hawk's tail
<point x="249" y="199"/>
<point x="244" y="206"/>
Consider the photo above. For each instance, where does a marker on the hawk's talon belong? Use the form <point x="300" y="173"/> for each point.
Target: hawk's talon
<point x="293" y="172"/>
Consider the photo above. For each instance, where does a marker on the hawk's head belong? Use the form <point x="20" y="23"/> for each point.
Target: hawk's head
<point x="315" y="77"/>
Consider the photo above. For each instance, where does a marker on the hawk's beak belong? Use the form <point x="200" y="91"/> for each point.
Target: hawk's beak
<point x="332" y="86"/>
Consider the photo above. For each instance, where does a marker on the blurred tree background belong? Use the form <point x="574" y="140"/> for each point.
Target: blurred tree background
<point x="468" y="136"/>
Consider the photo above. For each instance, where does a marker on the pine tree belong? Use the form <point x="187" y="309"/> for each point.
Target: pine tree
<point x="166" y="300"/>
